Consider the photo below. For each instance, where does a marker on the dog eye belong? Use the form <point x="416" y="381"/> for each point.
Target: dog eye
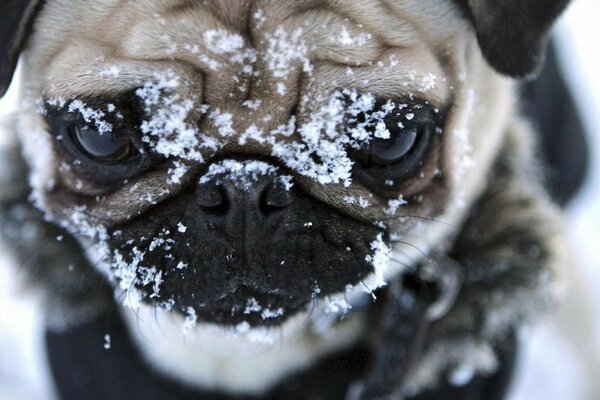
<point x="386" y="151"/>
<point x="102" y="146"/>
<point x="400" y="143"/>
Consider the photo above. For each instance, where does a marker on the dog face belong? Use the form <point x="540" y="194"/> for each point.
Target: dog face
<point x="235" y="161"/>
<point x="247" y="163"/>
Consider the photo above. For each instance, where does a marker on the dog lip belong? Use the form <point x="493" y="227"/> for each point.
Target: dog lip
<point x="252" y="306"/>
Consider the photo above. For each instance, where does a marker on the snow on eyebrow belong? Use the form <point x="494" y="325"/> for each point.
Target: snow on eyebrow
<point x="346" y="121"/>
<point x="282" y="52"/>
<point x="316" y="148"/>
<point x="221" y="41"/>
<point x="167" y="131"/>
<point x="346" y="39"/>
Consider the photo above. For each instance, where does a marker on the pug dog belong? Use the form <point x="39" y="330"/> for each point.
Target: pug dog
<point x="279" y="199"/>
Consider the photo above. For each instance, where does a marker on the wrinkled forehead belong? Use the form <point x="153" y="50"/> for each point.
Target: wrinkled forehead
<point x="232" y="51"/>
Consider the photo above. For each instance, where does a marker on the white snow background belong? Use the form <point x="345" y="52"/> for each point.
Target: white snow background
<point x="561" y="359"/>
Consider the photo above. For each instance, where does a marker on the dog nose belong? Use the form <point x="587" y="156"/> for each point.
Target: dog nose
<point x="264" y="193"/>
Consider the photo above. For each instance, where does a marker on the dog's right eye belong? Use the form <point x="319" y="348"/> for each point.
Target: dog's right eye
<point x="101" y="144"/>
<point x="108" y="147"/>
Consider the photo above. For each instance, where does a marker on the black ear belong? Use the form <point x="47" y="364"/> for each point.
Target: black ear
<point x="16" y="19"/>
<point x="513" y="34"/>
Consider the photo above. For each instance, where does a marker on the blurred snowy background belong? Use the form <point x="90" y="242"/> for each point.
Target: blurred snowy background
<point x="562" y="357"/>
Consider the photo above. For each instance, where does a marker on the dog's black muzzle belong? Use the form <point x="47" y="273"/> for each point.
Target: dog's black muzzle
<point x="243" y="244"/>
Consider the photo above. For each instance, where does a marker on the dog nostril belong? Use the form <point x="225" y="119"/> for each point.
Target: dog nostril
<point x="212" y="197"/>
<point x="275" y="197"/>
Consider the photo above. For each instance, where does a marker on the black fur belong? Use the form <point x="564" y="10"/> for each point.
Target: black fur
<point x="16" y="20"/>
<point x="564" y="147"/>
<point x="283" y="256"/>
<point x="513" y="34"/>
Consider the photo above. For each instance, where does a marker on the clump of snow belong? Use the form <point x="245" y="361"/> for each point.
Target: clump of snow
<point x="181" y="265"/>
<point x="360" y="201"/>
<point x="167" y="131"/>
<point x="268" y="313"/>
<point x="113" y="71"/>
<point x="283" y="51"/>
<point x="223" y="121"/>
<point x="380" y="261"/>
<point x="176" y="172"/>
<point x="394" y="204"/>
<point x="243" y="174"/>
<point x="337" y="304"/>
<point x="322" y="152"/>
<point x="91" y="115"/>
<point x="222" y="42"/>
<point x="346" y="39"/>
<point x="181" y="228"/>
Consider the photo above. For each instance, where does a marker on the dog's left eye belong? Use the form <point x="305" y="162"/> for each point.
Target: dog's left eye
<point x="400" y="144"/>
<point x="389" y="150"/>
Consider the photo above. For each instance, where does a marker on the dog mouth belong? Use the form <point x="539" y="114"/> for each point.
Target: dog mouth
<point x="258" y="253"/>
<point x="251" y="306"/>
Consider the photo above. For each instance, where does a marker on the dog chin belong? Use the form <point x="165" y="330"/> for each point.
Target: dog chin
<point x="242" y="359"/>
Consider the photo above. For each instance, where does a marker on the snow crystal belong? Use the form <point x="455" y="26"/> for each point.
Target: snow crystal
<point x="107" y="342"/>
<point x="394" y="204"/>
<point x="252" y="104"/>
<point x="190" y="320"/>
<point x="181" y="265"/>
<point x="252" y="132"/>
<point x="181" y="228"/>
<point x="270" y="314"/>
<point x="360" y="201"/>
<point x="429" y="82"/>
